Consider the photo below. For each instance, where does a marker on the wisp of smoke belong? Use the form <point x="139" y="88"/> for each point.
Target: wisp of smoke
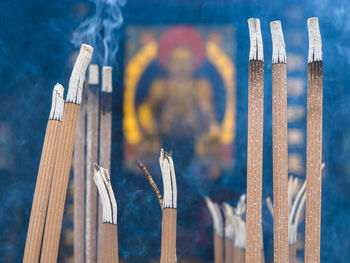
<point x="102" y="30"/>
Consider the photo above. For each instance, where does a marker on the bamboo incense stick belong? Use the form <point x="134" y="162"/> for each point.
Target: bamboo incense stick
<point x="280" y="144"/>
<point x="255" y="143"/>
<point x="105" y="236"/>
<point x="44" y="178"/>
<point x="314" y="144"/>
<point x="229" y="232"/>
<point x="79" y="185"/>
<point x="218" y="230"/>
<point x="91" y="158"/>
<point x="109" y="215"/>
<point x="151" y="182"/>
<point x="64" y="157"/>
<point x="169" y="213"/>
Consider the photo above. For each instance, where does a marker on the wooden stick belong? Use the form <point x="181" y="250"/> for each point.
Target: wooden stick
<point x="218" y="232"/>
<point x="240" y="231"/>
<point x="169" y="213"/>
<point x="280" y="144"/>
<point x="91" y="158"/>
<point x="109" y="215"/>
<point x="79" y="185"/>
<point x="64" y="157"/>
<point x="44" y="178"/>
<point x="151" y="182"/>
<point x="255" y="143"/>
<point x="314" y="144"/>
<point x="106" y="237"/>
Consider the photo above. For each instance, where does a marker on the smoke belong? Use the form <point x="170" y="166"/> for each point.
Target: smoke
<point x="102" y="30"/>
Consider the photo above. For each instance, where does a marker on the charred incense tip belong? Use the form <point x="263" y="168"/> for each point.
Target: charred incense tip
<point x="107" y="85"/>
<point x="169" y="180"/>
<point x="256" y="43"/>
<point x="151" y="181"/>
<point x="77" y="78"/>
<point x="230" y="224"/>
<point x="57" y="105"/>
<point x="216" y="215"/>
<point x="104" y="187"/>
<point x="315" y="41"/>
<point x="93" y="74"/>
<point x="278" y="46"/>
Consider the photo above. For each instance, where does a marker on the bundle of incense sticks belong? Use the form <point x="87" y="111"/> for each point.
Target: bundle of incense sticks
<point x="296" y="201"/>
<point x="109" y="214"/>
<point x="64" y="157"/>
<point x="79" y="184"/>
<point x="313" y="144"/>
<point x="104" y="235"/>
<point x="229" y="232"/>
<point x="44" y="178"/>
<point x="280" y="143"/>
<point x="91" y="158"/>
<point x="169" y="212"/>
<point x="255" y="142"/>
<point x="218" y="228"/>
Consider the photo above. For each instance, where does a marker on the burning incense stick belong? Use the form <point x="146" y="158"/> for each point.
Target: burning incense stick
<point x="79" y="185"/>
<point x="280" y="143"/>
<point x="255" y="142"/>
<point x="240" y="226"/>
<point x="151" y="182"/>
<point x="229" y="232"/>
<point x="43" y="183"/>
<point x="91" y="158"/>
<point x="294" y="220"/>
<point x="109" y="214"/>
<point x="296" y="199"/>
<point x="218" y="230"/>
<point x="168" y="246"/>
<point x="314" y="144"/>
<point x="64" y="157"/>
<point x="104" y="235"/>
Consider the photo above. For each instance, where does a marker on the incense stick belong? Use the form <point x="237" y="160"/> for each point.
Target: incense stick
<point x="169" y="213"/>
<point x="109" y="215"/>
<point x="280" y="144"/>
<point x="240" y="234"/>
<point x="44" y="178"/>
<point x="229" y="232"/>
<point x="64" y="157"/>
<point x="296" y="199"/>
<point x="314" y="144"/>
<point x="91" y="158"/>
<point x="105" y="235"/>
<point x="255" y="142"/>
<point x="151" y="182"/>
<point x="218" y="230"/>
<point x="79" y="185"/>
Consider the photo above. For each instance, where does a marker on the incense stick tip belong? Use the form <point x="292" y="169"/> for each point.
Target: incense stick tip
<point x="93" y="74"/>
<point x="57" y="105"/>
<point x="169" y="180"/>
<point x="256" y="44"/>
<point x="278" y="45"/>
<point x="107" y="85"/>
<point x="77" y="77"/>
<point x="315" y="41"/>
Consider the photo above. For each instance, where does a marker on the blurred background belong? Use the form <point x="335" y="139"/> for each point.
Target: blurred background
<point x="39" y="41"/>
